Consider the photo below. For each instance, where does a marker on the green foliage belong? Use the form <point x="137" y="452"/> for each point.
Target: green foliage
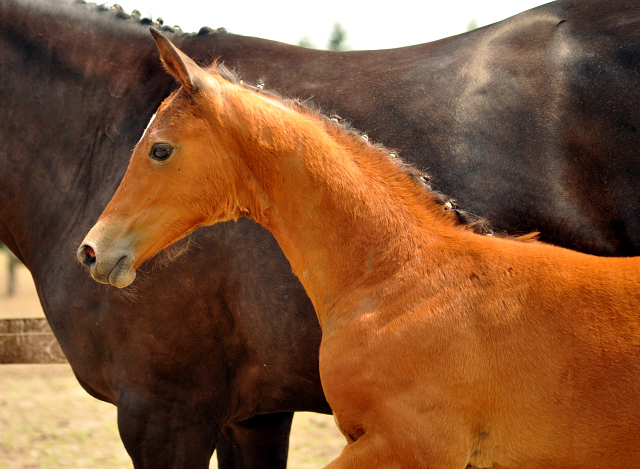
<point x="306" y="42"/>
<point x="336" y="41"/>
<point x="473" y="24"/>
<point x="337" y="38"/>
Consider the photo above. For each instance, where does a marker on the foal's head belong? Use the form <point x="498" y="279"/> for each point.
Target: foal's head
<point x="184" y="173"/>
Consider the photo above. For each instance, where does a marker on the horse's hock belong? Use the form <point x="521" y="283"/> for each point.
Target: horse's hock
<point x="28" y="340"/>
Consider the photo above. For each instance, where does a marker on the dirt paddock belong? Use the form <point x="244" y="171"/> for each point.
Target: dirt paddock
<point x="48" y="421"/>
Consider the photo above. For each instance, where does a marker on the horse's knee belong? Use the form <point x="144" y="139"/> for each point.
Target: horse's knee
<point x="260" y="442"/>
<point x="157" y="434"/>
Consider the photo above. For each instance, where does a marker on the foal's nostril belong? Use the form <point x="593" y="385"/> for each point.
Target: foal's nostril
<point x="89" y="255"/>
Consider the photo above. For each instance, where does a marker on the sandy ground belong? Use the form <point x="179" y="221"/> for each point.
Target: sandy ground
<point x="48" y="421"/>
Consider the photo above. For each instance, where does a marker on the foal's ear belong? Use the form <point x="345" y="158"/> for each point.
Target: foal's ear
<point x="185" y="70"/>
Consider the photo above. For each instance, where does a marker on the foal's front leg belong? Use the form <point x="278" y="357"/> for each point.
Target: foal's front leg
<point x="373" y="451"/>
<point x="367" y="452"/>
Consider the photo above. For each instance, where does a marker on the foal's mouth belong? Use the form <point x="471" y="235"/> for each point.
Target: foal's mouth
<point x="109" y="270"/>
<point x="122" y="275"/>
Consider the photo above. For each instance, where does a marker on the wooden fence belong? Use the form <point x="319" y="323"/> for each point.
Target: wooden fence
<point x="28" y="340"/>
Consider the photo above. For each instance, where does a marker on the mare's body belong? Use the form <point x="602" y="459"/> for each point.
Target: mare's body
<point x="181" y="359"/>
<point x="441" y="348"/>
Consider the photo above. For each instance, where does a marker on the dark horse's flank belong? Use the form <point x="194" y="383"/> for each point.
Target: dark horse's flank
<point x="531" y="122"/>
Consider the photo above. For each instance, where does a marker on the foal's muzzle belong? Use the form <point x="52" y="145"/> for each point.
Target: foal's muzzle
<point x="108" y="267"/>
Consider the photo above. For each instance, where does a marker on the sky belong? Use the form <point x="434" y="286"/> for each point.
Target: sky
<point x="369" y="25"/>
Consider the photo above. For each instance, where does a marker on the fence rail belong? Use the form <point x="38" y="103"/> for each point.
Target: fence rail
<point x="28" y="340"/>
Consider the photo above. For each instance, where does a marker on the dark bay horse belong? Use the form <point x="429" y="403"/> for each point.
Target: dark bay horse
<point x="441" y="348"/>
<point x="530" y="122"/>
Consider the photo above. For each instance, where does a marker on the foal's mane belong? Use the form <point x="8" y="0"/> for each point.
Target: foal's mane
<point x="476" y="224"/>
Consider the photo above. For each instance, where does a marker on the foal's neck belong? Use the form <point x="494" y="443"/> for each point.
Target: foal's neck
<point x="345" y="214"/>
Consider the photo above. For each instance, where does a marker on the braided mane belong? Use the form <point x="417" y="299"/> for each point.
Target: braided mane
<point x="117" y="12"/>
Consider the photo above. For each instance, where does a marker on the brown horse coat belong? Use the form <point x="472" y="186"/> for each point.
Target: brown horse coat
<point x="441" y="348"/>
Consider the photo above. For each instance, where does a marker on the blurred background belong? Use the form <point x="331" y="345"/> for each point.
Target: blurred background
<point x="46" y="419"/>
<point x="367" y="25"/>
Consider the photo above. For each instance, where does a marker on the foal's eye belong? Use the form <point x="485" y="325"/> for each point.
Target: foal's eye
<point x="161" y="151"/>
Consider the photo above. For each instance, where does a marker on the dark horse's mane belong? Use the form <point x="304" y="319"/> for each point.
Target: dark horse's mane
<point x="473" y="222"/>
<point x="135" y="17"/>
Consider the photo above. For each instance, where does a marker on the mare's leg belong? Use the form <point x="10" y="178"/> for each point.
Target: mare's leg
<point x="161" y="434"/>
<point x="260" y="442"/>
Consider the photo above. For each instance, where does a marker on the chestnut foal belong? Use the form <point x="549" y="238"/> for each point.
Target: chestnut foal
<point x="441" y="348"/>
